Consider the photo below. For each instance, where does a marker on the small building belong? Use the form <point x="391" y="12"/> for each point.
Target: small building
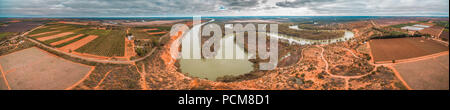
<point x="130" y="36"/>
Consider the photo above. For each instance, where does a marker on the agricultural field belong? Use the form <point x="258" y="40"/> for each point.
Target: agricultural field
<point x="433" y="31"/>
<point x="50" y="72"/>
<point x="152" y="31"/>
<point x="19" y="26"/>
<point x="82" y="39"/>
<point x="444" y="35"/>
<point x="428" y="74"/>
<point x="147" y="37"/>
<point x="5" y="35"/>
<point x="108" y="43"/>
<point x="403" y="48"/>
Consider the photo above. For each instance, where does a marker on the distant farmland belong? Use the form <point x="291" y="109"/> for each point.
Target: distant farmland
<point x="108" y="43"/>
<point x="404" y="48"/>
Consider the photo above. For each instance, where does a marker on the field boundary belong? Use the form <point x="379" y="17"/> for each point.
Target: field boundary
<point x="4" y="77"/>
<point x="397" y="74"/>
<point x="81" y="80"/>
<point x="65" y="40"/>
<point x="413" y="59"/>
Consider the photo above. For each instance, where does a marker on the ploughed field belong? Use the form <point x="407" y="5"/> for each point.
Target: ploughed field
<point x="35" y="69"/>
<point x="403" y="48"/>
<point x="82" y="39"/>
<point x="428" y="74"/>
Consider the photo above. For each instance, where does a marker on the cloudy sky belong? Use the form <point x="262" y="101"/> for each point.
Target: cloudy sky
<point x="124" y="8"/>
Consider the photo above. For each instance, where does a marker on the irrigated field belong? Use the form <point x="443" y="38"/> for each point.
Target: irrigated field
<point x="35" y="69"/>
<point x="109" y="43"/>
<point x="403" y="48"/>
<point x="72" y="37"/>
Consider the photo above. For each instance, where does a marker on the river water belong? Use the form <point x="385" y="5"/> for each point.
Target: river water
<point x="211" y="69"/>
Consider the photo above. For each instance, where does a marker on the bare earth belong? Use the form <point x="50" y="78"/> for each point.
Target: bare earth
<point x="78" y="44"/>
<point x="54" y="36"/>
<point x="428" y="74"/>
<point x="35" y="69"/>
<point x="403" y="48"/>
<point x="3" y="85"/>
<point x="44" y="33"/>
<point x="66" y="40"/>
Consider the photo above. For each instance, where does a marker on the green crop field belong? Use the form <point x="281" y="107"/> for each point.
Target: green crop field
<point x="138" y="34"/>
<point x="71" y="41"/>
<point x="109" y="43"/>
<point x="58" y="39"/>
<point x="5" y="35"/>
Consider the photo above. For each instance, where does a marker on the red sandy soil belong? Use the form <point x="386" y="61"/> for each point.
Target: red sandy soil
<point x="14" y="21"/>
<point x="403" y="48"/>
<point x="430" y="73"/>
<point x="166" y="57"/>
<point x="129" y="50"/>
<point x="36" y="69"/>
<point x="388" y="22"/>
<point x="43" y="33"/>
<point x="54" y="36"/>
<point x="66" y="40"/>
<point x="91" y="56"/>
<point x="434" y="31"/>
<point x="123" y="58"/>
<point x="154" y="33"/>
<point x="78" y="44"/>
<point x="152" y="29"/>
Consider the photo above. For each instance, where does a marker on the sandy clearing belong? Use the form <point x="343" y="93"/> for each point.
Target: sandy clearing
<point x="152" y="29"/>
<point x="36" y="69"/>
<point x="78" y="44"/>
<point x="66" y="40"/>
<point x="154" y="33"/>
<point x="129" y="49"/>
<point x="43" y="33"/>
<point x="54" y="36"/>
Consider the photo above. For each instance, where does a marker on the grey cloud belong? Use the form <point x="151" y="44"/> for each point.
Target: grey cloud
<point x="213" y="7"/>
<point x="302" y="3"/>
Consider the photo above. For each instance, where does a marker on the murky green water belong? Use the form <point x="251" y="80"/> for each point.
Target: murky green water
<point x="213" y="68"/>
<point x="218" y="66"/>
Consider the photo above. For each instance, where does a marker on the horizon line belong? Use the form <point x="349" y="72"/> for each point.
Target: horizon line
<point x="223" y="16"/>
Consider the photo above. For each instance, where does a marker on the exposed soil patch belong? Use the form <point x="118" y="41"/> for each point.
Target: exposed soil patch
<point x="386" y="50"/>
<point x="32" y="69"/>
<point x="54" y="36"/>
<point x="78" y="44"/>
